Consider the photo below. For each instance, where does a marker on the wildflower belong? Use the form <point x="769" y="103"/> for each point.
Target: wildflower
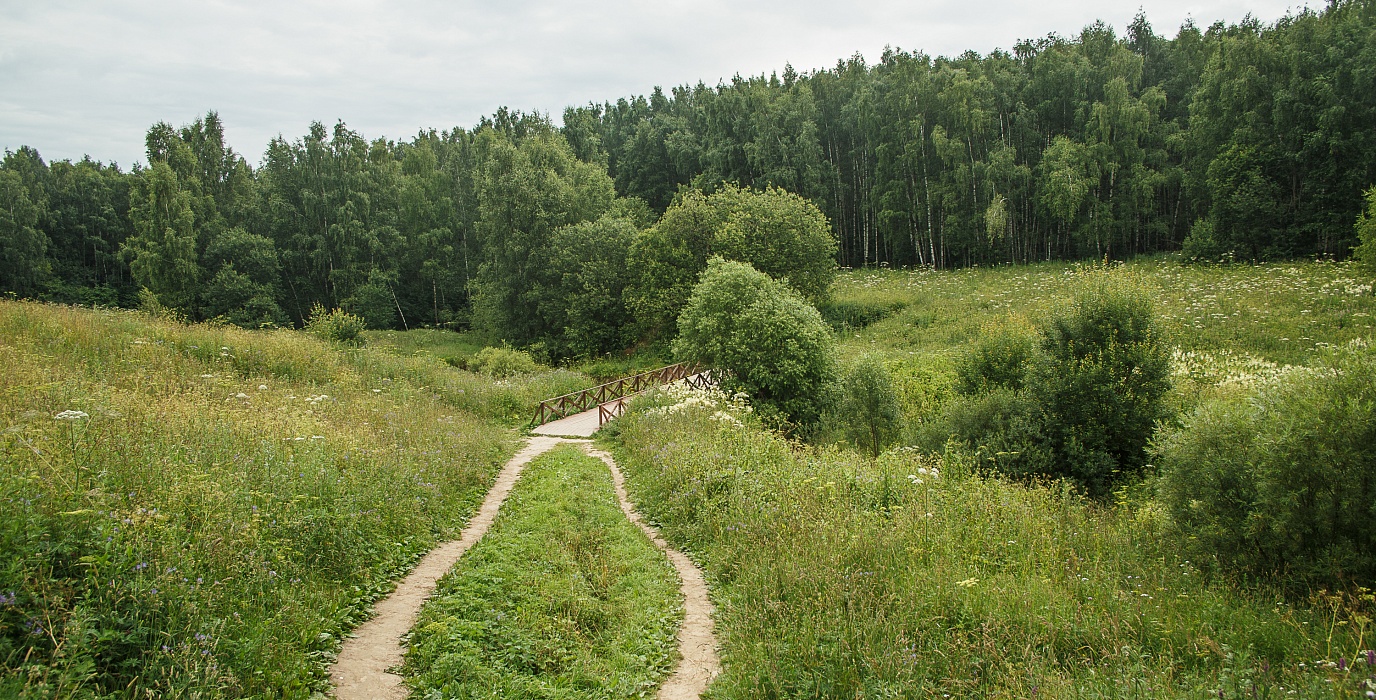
<point x="7" y="599"/>
<point x="241" y="395"/>
<point x="70" y="416"/>
<point x="968" y="583"/>
<point x="262" y="387"/>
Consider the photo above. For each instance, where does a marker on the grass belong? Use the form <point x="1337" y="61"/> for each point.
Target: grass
<point x="1237" y="320"/>
<point x="917" y="575"/>
<point x="224" y="505"/>
<point x="458" y="348"/>
<point x="564" y="598"/>
<point x="837" y="576"/>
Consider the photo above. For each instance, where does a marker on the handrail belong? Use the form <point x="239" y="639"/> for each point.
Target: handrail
<point x="615" y="408"/>
<point x="579" y="401"/>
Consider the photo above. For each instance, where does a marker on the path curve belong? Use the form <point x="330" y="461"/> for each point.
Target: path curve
<point x="361" y="672"/>
<point x="697" y="645"/>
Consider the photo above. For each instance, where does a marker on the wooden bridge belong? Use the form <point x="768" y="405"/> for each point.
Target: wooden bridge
<point x="584" y="412"/>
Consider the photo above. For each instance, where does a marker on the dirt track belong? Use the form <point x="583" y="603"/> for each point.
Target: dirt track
<point x="362" y="670"/>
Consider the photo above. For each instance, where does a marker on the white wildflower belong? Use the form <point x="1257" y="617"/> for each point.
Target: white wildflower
<point x="70" y="416"/>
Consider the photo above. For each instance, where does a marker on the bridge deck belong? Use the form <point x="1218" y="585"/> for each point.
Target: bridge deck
<point x="577" y="425"/>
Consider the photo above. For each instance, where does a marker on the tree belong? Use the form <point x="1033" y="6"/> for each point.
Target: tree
<point x="24" y="262"/>
<point x="776" y="232"/>
<point x="869" y="405"/>
<point x="586" y="310"/>
<point x="528" y="190"/>
<point x="764" y="336"/>
<point x="243" y="289"/>
<point x="162" y="252"/>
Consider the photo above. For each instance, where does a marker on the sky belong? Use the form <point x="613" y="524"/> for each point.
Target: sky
<point x="88" y="77"/>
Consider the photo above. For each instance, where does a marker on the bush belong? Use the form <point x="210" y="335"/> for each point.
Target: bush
<point x="999" y="358"/>
<point x="1282" y="482"/>
<point x="1098" y="385"/>
<point x="773" y="345"/>
<point x="502" y="362"/>
<point x="338" y="326"/>
<point x="869" y="405"/>
<point x="1366" y="234"/>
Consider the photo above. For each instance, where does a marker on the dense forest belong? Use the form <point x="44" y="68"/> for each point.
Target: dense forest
<point x="1248" y="141"/>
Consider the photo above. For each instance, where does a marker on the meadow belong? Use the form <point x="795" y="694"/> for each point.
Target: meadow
<point x="200" y="511"/>
<point x="922" y="574"/>
<point x="203" y="511"/>
<point x="1227" y="325"/>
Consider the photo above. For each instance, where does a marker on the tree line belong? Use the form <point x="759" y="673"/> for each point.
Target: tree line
<point x="1247" y="141"/>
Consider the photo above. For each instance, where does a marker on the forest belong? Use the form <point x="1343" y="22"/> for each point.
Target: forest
<point x="1249" y="141"/>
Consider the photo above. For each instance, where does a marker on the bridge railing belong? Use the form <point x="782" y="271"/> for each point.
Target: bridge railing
<point x="587" y="399"/>
<point x="614" y="409"/>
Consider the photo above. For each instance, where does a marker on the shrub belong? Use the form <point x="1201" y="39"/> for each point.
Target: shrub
<point x="773" y="345"/>
<point x="869" y="405"/>
<point x="999" y="358"/>
<point x="1283" y="481"/>
<point x="502" y="362"/>
<point x="1366" y="234"/>
<point x="337" y="325"/>
<point x="1099" y="382"/>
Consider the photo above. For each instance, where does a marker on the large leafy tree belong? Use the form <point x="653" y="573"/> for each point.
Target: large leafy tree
<point x="162" y="252"/>
<point x="764" y="336"/>
<point x="528" y="189"/>
<point x="779" y="233"/>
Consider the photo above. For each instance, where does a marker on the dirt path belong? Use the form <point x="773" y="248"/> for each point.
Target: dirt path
<point x="361" y="671"/>
<point x="696" y="642"/>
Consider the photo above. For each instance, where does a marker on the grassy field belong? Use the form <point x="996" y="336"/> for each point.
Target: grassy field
<point x="836" y="576"/>
<point x="191" y="511"/>
<point x="1237" y="322"/>
<point x="915" y="576"/>
<point x="564" y="598"/>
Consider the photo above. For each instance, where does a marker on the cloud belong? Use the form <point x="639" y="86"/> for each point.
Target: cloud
<point x="89" y="76"/>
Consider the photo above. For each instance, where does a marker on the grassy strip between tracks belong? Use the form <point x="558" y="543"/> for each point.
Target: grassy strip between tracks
<point x="564" y="598"/>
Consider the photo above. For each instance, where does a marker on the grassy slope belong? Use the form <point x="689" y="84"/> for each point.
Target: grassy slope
<point x="1227" y="320"/>
<point x="841" y="577"/>
<point x="231" y="502"/>
<point x="564" y="598"/>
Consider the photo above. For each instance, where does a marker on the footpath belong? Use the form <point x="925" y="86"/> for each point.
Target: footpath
<point x="363" y="669"/>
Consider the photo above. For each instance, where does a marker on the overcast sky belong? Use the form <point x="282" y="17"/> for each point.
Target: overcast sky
<point x="89" y="76"/>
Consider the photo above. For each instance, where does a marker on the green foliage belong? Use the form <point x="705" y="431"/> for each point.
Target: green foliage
<point x="1280" y="482"/>
<point x="563" y="598"/>
<point x="778" y="233"/>
<point x="335" y="325"/>
<point x="24" y="264"/>
<point x="162" y="252"/>
<point x="839" y="576"/>
<point x="585" y="308"/>
<point x="998" y="358"/>
<point x="1365" y="252"/>
<point x="771" y="343"/>
<point x="1099" y="382"/>
<point x="502" y="363"/>
<point x="869" y="406"/>
<point x="217" y="508"/>
<point x="528" y="190"/>
<point x="1203" y="244"/>
<point x="243" y="289"/>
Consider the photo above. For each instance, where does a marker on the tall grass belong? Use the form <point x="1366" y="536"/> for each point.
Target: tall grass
<point x="908" y="576"/>
<point x="215" y="507"/>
